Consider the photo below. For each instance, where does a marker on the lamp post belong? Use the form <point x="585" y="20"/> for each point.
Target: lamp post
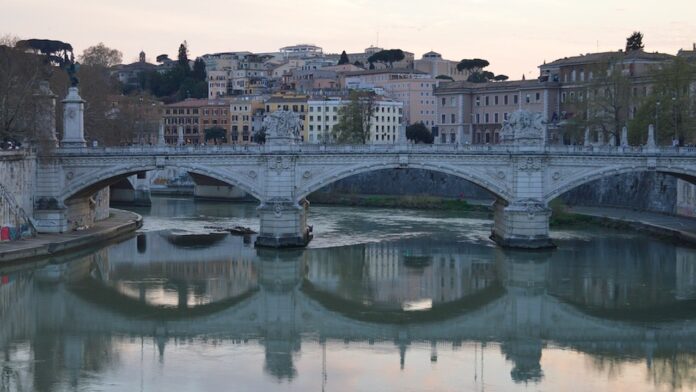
<point x="657" y="109"/>
<point x="674" y="114"/>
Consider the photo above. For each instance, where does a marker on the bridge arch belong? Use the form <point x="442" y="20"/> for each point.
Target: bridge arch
<point x="91" y="182"/>
<point x="587" y="177"/>
<point x="486" y="181"/>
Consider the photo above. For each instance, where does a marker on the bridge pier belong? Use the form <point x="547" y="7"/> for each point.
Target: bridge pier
<point x="522" y="224"/>
<point x="283" y="224"/>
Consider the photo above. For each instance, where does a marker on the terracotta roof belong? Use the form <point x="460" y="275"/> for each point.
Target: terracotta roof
<point x="599" y="57"/>
<point x="386" y="71"/>
<point x="492" y="86"/>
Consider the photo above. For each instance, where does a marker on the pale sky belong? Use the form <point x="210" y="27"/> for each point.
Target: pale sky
<point x="515" y="36"/>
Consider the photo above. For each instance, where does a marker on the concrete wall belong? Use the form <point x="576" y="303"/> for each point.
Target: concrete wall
<point x="84" y="212"/>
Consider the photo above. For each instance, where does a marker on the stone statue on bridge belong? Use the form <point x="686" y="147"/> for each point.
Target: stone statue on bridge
<point x="524" y="128"/>
<point x="282" y="127"/>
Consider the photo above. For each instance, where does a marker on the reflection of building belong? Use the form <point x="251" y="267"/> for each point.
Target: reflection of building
<point x="393" y="276"/>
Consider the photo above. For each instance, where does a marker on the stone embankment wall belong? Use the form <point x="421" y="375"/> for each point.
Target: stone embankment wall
<point x="642" y="191"/>
<point x="17" y="181"/>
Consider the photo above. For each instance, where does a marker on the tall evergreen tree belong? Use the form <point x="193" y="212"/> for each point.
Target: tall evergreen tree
<point x="344" y="58"/>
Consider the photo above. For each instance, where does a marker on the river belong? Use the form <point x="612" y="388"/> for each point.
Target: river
<point x="381" y="300"/>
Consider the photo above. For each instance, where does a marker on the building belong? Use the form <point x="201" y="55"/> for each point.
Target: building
<point x="301" y="50"/>
<point x="417" y="97"/>
<point x="372" y="78"/>
<point x="473" y="113"/>
<point x="246" y="118"/>
<point x="193" y="117"/>
<point x="434" y="65"/>
<point x="324" y="114"/>
<point x="129" y="74"/>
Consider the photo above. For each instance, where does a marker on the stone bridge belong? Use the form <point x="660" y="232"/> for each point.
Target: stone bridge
<point x="524" y="173"/>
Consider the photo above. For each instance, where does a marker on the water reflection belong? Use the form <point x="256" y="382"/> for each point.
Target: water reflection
<point x="618" y="301"/>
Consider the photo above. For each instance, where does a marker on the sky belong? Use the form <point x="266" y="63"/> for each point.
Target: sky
<point x="514" y="36"/>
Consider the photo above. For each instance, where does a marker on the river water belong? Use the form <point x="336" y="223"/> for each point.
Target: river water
<point x="382" y="300"/>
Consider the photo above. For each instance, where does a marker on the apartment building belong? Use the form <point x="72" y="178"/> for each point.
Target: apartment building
<point x="473" y="113"/>
<point x="434" y="65"/>
<point x="416" y="96"/>
<point x="246" y="118"/>
<point x="194" y="116"/>
<point x="324" y="114"/>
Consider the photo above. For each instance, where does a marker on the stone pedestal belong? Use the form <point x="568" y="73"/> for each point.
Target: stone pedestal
<point x="73" y="120"/>
<point x="523" y="224"/>
<point x="46" y="114"/>
<point x="283" y="225"/>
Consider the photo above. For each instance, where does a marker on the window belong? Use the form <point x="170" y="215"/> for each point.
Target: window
<point x="487" y="101"/>
<point x="505" y="116"/>
<point x="478" y="101"/>
<point x="453" y="101"/>
<point x="505" y="100"/>
<point x="495" y="100"/>
<point x="444" y="120"/>
<point x="444" y="101"/>
<point x="538" y="97"/>
<point x="478" y="118"/>
<point x="495" y="118"/>
<point x="453" y="118"/>
<point x="527" y="98"/>
<point x="486" y="118"/>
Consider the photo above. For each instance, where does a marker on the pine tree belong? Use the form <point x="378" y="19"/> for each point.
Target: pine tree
<point x="634" y="41"/>
<point x="344" y="58"/>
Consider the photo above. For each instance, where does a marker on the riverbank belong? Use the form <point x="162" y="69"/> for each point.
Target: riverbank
<point x="668" y="226"/>
<point x="119" y="224"/>
<point x="419" y="202"/>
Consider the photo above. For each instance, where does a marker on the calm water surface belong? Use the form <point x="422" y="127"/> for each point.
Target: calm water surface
<point x="382" y="300"/>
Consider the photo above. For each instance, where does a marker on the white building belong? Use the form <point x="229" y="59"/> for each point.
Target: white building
<point x="324" y="114"/>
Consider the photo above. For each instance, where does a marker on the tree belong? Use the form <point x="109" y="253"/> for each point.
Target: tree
<point x="216" y="134"/>
<point x="100" y="55"/>
<point x="355" y="118"/>
<point x="182" y="58"/>
<point x="359" y="64"/>
<point x="419" y="133"/>
<point x="343" y="59"/>
<point x="162" y="58"/>
<point x="669" y="105"/>
<point x="500" y="78"/>
<point x="198" y="69"/>
<point x="57" y="53"/>
<point x="259" y="137"/>
<point x="388" y="57"/>
<point x="634" y="41"/>
<point x="472" y="65"/>
<point x="601" y="105"/>
<point x="444" y="77"/>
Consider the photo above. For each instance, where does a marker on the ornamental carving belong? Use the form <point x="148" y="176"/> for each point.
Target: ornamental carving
<point x="530" y="164"/>
<point x="556" y="176"/>
<point x="306" y="174"/>
<point x="252" y="174"/>
<point x="524" y="128"/>
<point x="282" y="127"/>
<point x="279" y="164"/>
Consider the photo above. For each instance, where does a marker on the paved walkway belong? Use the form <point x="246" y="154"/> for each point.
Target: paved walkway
<point x="119" y="223"/>
<point x="681" y="227"/>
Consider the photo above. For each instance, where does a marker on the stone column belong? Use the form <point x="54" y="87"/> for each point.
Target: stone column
<point x="180" y="135"/>
<point x="73" y="120"/>
<point x="651" y="145"/>
<point x="283" y="224"/>
<point x="624" y="137"/>
<point x="160" y="134"/>
<point x="46" y="114"/>
<point x="586" y="141"/>
<point x="522" y="224"/>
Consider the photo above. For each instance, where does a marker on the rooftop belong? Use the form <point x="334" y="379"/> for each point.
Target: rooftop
<point x="507" y="85"/>
<point x="386" y="71"/>
<point x="590" y="58"/>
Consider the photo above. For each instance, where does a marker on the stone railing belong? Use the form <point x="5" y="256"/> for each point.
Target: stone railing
<point x="375" y="149"/>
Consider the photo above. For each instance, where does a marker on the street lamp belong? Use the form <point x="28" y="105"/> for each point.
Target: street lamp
<point x="674" y="114"/>
<point x="657" y="109"/>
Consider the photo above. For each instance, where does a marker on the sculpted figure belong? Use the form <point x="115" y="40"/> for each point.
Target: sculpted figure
<point x="523" y="128"/>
